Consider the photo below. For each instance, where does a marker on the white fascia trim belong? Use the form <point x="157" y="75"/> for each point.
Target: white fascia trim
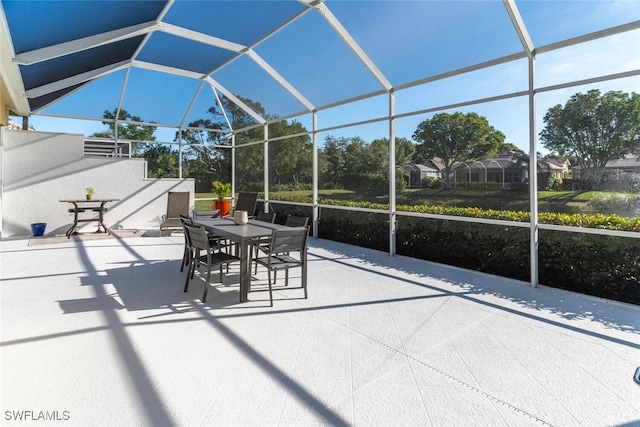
<point x="62" y="49"/>
<point x="236" y="100"/>
<point x="281" y="80"/>
<point x="353" y="45"/>
<point x="74" y="80"/>
<point x="167" y="70"/>
<point x="95" y="119"/>
<point x="200" y="37"/>
<point x="10" y="72"/>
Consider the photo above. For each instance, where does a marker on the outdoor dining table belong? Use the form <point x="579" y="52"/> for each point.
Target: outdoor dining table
<point x="242" y="235"/>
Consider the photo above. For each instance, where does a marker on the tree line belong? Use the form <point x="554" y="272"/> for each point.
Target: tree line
<point x="589" y="130"/>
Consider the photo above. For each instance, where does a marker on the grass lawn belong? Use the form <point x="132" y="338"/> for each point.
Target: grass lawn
<point x="624" y="204"/>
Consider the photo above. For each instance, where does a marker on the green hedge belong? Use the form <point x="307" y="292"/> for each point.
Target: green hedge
<point x="609" y="222"/>
<point x="481" y="247"/>
<point x="602" y="266"/>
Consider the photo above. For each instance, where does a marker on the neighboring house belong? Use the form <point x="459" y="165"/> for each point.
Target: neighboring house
<point x="619" y="174"/>
<point x="630" y="163"/>
<point x="615" y="169"/>
<point x="559" y="170"/>
<point x="506" y="169"/>
<point x="15" y="126"/>
<point x="417" y="172"/>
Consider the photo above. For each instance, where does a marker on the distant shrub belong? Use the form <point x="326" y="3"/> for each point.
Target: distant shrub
<point x="478" y="186"/>
<point x="557" y="184"/>
<point x="567" y="184"/>
<point x="520" y="187"/>
<point x="545" y="181"/>
<point x="366" y="181"/>
<point x="328" y="185"/>
<point x="580" y="184"/>
<point x="431" y="182"/>
<point x="291" y="186"/>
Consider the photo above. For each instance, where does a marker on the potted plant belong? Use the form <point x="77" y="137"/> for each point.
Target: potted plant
<point x="222" y="191"/>
<point x="90" y="192"/>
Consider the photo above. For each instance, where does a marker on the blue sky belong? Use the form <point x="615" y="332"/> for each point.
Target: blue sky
<point x="316" y="61"/>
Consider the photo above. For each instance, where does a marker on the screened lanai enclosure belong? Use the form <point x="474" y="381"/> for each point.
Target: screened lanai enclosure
<point x="305" y="100"/>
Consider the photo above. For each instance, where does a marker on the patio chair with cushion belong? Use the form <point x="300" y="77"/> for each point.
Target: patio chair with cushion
<point x="177" y="204"/>
<point x="287" y="249"/>
<point x="202" y="253"/>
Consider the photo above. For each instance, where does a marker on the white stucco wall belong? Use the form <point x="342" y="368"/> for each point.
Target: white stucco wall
<point x="39" y="169"/>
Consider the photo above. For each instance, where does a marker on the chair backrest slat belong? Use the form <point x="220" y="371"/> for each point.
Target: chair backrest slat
<point x="198" y="236"/>
<point x="291" y="240"/>
<point x="206" y="214"/>
<point x="296" y="221"/>
<point x="186" y="220"/>
<point x="266" y="216"/>
<point x="247" y="201"/>
<point x="177" y="204"/>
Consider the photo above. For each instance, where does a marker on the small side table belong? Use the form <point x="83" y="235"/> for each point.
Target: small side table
<point x="84" y="205"/>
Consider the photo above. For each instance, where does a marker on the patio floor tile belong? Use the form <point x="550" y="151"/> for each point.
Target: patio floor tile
<point x="103" y="330"/>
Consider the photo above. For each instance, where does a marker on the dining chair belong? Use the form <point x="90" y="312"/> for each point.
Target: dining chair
<point x="283" y="246"/>
<point x="263" y="246"/>
<point x="206" y="214"/>
<point x="247" y="201"/>
<point x="254" y="244"/>
<point x="296" y="221"/>
<point x="214" y="239"/>
<point x="266" y="216"/>
<point x="186" y="220"/>
<point x="202" y="253"/>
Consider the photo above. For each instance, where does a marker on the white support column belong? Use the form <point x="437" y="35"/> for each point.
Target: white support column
<point x="180" y="153"/>
<point x="527" y="44"/>
<point x="314" y="195"/>
<point x="266" y="168"/>
<point x="2" y="167"/>
<point x="533" y="174"/>
<point x="392" y="175"/>
<point x="117" y="113"/>
<point x="233" y="166"/>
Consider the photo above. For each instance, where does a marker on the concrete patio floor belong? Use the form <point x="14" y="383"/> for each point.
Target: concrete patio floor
<point x="100" y="333"/>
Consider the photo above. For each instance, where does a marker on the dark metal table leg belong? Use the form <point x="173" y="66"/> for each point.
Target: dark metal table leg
<point x="75" y="221"/>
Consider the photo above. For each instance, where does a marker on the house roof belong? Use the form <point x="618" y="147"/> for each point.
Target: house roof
<point x="417" y="167"/>
<point x="628" y="161"/>
<point x="169" y="61"/>
<point x="556" y="165"/>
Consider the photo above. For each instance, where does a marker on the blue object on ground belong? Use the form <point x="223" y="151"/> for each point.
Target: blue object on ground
<point x="38" y="228"/>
